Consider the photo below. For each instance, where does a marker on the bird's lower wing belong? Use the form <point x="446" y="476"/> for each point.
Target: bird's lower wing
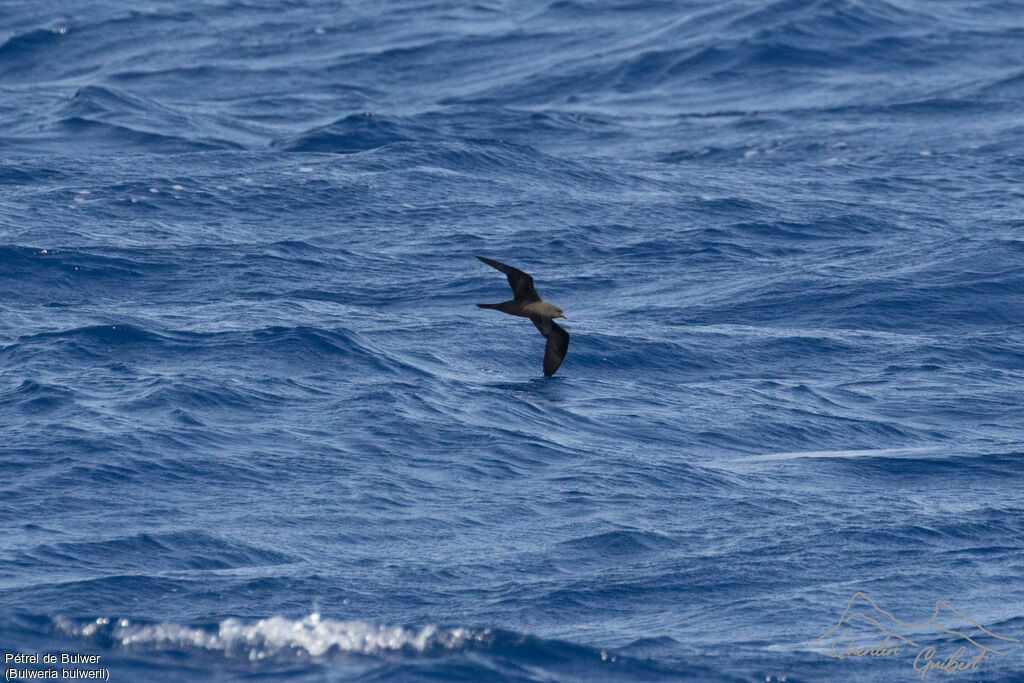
<point x="557" y="345"/>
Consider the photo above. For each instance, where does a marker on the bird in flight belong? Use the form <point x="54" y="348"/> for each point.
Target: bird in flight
<point x="528" y="304"/>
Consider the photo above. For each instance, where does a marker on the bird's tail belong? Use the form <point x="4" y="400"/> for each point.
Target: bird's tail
<point x="498" y="306"/>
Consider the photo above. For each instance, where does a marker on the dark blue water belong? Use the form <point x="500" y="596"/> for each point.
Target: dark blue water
<point x="253" y="426"/>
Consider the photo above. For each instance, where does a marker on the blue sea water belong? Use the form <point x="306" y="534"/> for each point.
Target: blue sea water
<point x="252" y="424"/>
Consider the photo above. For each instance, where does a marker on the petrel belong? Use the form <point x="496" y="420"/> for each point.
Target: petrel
<point x="528" y="305"/>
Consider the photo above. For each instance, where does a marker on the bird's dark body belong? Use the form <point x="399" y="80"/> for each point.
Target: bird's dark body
<point x="528" y="304"/>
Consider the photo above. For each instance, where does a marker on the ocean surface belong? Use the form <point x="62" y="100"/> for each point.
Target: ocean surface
<point x="252" y="424"/>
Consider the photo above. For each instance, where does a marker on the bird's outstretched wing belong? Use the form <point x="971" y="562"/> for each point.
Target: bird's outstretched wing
<point x="520" y="282"/>
<point x="557" y="345"/>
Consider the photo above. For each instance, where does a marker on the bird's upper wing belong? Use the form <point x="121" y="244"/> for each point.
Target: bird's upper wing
<point x="558" y="343"/>
<point x="520" y="282"/>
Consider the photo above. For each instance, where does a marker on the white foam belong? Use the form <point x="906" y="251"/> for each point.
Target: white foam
<point x="267" y="637"/>
<point x="866" y="452"/>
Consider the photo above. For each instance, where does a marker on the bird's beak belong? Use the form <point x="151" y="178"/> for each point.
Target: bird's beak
<point x="564" y="316"/>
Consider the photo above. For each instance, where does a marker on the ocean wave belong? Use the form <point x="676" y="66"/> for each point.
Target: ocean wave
<point x="358" y="133"/>
<point x="94" y="136"/>
<point x="311" y="635"/>
<point x="37" y="397"/>
<point x="362" y="650"/>
<point x="242" y="376"/>
<point x="19" y="53"/>
<point x="159" y="552"/>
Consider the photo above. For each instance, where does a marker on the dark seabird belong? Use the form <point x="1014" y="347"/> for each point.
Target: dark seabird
<point x="528" y="305"/>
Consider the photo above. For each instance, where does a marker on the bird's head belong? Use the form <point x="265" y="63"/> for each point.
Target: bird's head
<point x="555" y="311"/>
